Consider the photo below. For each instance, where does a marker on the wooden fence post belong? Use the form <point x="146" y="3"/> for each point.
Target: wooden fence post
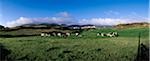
<point x="139" y="48"/>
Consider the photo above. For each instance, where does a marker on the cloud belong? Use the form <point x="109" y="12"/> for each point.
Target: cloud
<point x="64" y="18"/>
<point x="20" y="21"/>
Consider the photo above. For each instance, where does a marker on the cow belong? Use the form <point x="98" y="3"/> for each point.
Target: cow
<point x="68" y="34"/>
<point x="113" y="34"/>
<point x="42" y="34"/>
<point x="98" y="34"/>
<point x="78" y="34"/>
<point x="59" y="34"/>
<point x="103" y="34"/>
<point x="109" y="35"/>
<point x="53" y="33"/>
<point x="116" y="34"/>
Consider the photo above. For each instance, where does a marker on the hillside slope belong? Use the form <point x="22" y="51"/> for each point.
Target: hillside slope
<point x="133" y="25"/>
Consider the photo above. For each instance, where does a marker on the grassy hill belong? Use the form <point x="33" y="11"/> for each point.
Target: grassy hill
<point x="86" y="48"/>
<point x="133" y="25"/>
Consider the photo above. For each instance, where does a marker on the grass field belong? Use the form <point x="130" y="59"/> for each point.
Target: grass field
<point x="86" y="48"/>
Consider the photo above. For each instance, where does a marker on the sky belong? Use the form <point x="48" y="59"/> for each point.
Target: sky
<point x="97" y="12"/>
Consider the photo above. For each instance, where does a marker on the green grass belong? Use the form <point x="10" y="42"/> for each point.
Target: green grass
<point x="87" y="48"/>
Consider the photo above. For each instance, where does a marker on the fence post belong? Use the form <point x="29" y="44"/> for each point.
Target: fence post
<point x="139" y="48"/>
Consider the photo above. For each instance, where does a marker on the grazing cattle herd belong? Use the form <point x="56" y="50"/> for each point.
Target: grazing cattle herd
<point x="60" y="34"/>
<point x="78" y="34"/>
<point x="110" y="34"/>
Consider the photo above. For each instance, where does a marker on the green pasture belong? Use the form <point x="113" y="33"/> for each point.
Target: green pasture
<point x="87" y="48"/>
